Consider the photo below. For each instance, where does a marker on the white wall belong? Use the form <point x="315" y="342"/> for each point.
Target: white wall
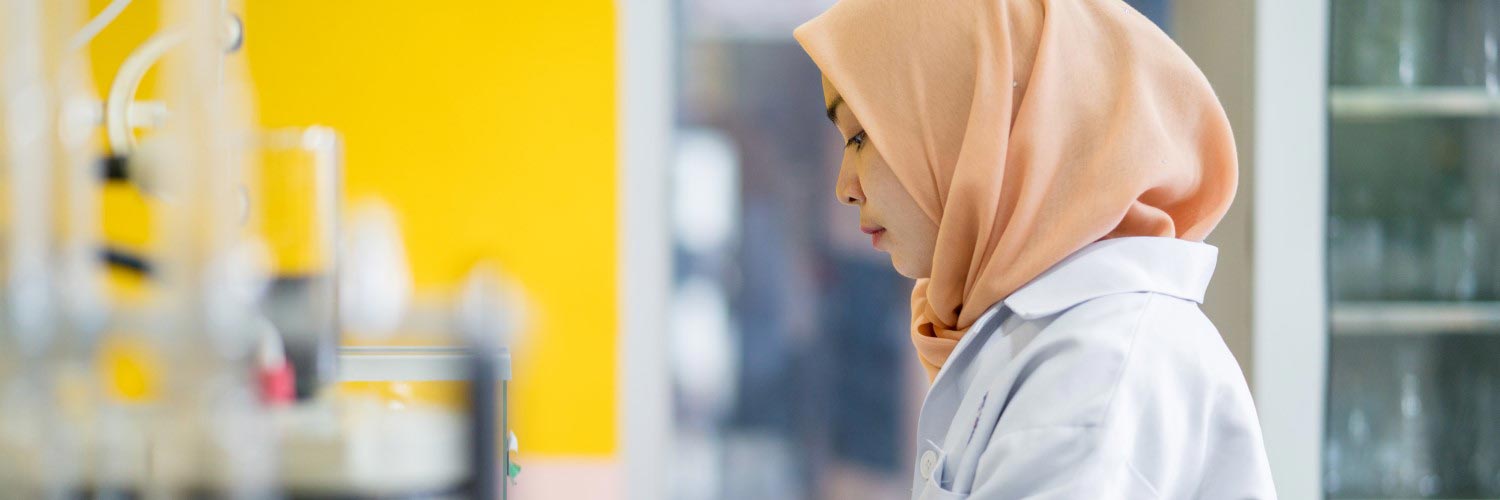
<point x="1267" y="60"/>
<point x="646" y="121"/>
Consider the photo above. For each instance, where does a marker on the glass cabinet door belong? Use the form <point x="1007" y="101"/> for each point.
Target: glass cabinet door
<point x="1414" y="250"/>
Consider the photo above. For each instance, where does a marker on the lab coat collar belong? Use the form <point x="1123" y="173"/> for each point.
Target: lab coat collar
<point x="1168" y="266"/>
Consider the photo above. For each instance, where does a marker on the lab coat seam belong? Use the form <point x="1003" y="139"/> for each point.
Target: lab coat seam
<point x="1135" y="332"/>
<point x="1203" y="444"/>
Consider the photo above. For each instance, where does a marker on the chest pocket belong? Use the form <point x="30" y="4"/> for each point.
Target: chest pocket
<point x="932" y="491"/>
<point x="931" y="465"/>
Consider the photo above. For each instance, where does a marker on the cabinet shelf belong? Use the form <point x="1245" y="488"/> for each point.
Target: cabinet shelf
<point x="1415" y="318"/>
<point x="1394" y="102"/>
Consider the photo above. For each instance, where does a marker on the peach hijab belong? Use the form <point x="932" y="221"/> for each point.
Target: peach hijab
<point x="1026" y="129"/>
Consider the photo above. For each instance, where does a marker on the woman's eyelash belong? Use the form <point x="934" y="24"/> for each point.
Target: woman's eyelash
<point x="857" y="140"/>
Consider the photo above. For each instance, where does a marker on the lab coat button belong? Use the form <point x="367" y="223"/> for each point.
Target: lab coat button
<point x="929" y="461"/>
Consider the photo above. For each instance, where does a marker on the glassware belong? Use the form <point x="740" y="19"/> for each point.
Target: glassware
<point x="1350" y="466"/>
<point x="1454" y="250"/>
<point x="209" y="430"/>
<point x="1356" y="257"/>
<point x="1348" y="31"/>
<point x="1408" y="465"/>
<point x="1482" y="175"/>
<point x="294" y="208"/>
<point x="1413" y="221"/>
<point x="50" y="306"/>
<point x="1385" y="42"/>
<point x="1472" y="47"/>
<point x="1406" y="264"/>
<point x="1485" y="463"/>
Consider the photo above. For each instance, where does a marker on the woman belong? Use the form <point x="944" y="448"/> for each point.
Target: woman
<point x="1047" y="170"/>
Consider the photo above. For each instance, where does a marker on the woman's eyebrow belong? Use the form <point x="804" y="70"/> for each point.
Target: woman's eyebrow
<point x="833" y="108"/>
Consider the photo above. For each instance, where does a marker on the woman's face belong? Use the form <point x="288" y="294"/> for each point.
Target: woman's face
<point x="887" y="212"/>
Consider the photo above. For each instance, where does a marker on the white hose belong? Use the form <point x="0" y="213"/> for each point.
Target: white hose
<point x="97" y="24"/>
<point x="127" y="80"/>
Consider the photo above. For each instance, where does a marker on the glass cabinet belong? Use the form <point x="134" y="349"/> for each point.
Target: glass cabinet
<point x="1413" y="250"/>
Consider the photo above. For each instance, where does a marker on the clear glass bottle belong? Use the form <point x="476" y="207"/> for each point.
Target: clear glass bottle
<point x="1410" y="469"/>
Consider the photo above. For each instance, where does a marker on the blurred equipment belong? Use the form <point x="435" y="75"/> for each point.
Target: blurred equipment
<point x="50" y="304"/>
<point x="704" y="351"/>
<point x="211" y="377"/>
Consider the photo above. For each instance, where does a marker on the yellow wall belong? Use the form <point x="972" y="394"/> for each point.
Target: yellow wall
<point x="490" y="127"/>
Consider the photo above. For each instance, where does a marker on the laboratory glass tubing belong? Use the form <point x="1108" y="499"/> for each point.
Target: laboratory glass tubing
<point x="50" y="302"/>
<point x="209" y="429"/>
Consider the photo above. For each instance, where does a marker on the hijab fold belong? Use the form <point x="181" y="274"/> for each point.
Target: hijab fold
<point x="1026" y="129"/>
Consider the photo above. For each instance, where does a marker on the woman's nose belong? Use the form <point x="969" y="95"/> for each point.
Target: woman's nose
<point x="847" y="188"/>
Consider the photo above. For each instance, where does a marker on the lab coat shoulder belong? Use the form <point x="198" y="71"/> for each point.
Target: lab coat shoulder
<point x="1056" y="437"/>
<point x="1068" y="374"/>
<point x="1124" y="396"/>
<point x="1186" y="390"/>
<point x="1185" y="411"/>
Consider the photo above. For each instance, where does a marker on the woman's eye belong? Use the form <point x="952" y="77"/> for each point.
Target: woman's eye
<point x="858" y="141"/>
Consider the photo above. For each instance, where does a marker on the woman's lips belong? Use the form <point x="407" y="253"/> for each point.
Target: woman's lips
<point x="874" y="232"/>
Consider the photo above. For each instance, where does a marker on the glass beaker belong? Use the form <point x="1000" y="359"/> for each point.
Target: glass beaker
<point x="294" y="205"/>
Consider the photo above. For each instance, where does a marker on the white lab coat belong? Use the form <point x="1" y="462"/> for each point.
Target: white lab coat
<point x="1100" y="379"/>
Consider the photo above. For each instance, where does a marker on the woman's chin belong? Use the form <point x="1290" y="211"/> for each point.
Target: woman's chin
<point x="905" y="269"/>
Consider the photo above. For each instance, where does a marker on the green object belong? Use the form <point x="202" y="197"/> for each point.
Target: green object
<point x="515" y="470"/>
